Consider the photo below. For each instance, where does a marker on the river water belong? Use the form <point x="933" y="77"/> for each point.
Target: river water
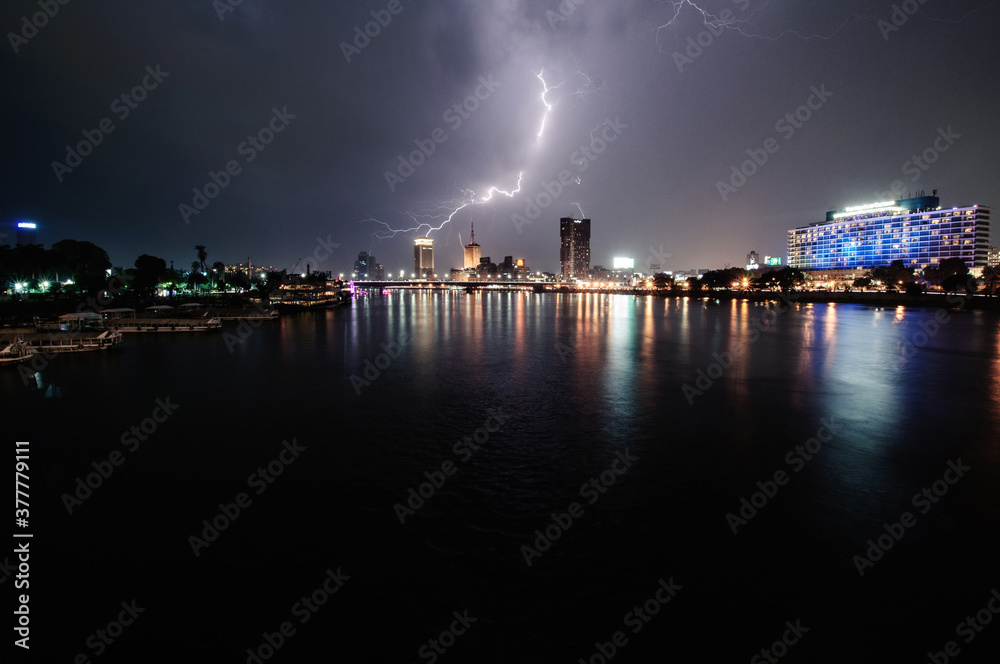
<point x="607" y="440"/>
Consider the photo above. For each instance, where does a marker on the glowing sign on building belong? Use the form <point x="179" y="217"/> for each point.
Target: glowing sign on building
<point x="624" y="263"/>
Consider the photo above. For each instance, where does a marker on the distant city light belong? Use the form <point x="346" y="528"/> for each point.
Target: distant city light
<point x="27" y="224"/>
<point x="624" y="263"/>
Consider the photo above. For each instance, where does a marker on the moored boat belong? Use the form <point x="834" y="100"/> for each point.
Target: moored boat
<point x="14" y="352"/>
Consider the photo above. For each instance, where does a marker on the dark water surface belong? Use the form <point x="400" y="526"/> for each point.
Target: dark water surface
<point x="578" y="382"/>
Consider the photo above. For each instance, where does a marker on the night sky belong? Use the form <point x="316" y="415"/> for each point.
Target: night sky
<point x="884" y="87"/>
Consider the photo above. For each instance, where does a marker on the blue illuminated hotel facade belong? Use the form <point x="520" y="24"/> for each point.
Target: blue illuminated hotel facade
<point x="916" y="231"/>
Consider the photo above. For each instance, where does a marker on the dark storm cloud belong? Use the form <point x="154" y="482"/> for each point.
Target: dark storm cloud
<point x="324" y="174"/>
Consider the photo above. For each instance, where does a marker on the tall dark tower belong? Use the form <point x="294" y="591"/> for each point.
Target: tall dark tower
<point x="574" y="248"/>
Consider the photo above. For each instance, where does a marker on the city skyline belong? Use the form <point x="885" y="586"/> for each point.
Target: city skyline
<point x="620" y="113"/>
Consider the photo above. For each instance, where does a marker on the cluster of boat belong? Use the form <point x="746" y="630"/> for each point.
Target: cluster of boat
<point x="92" y="331"/>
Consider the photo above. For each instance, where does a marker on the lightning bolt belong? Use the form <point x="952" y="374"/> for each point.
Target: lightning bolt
<point x="440" y="215"/>
<point x="548" y="106"/>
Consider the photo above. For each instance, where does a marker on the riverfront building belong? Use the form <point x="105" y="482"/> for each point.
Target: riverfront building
<point x="916" y="231"/>
<point x="423" y="257"/>
<point x="574" y="248"/>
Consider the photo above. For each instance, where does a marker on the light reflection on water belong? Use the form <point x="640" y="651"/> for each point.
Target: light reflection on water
<point x="582" y="376"/>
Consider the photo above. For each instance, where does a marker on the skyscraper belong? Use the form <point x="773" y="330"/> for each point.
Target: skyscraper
<point x="423" y="257"/>
<point x="364" y="267"/>
<point x="574" y="248"/>
<point x="472" y="251"/>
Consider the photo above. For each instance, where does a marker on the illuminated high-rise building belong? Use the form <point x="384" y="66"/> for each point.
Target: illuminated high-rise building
<point x="472" y="251"/>
<point x="27" y="233"/>
<point x="917" y="231"/>
<point x="574" y="248"/>
<point x="993" y="257"/>
<point x="423" y="257"/>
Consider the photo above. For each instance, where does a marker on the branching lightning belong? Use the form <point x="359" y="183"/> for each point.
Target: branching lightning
<point x="739" y="24"/>
<point x="441" y="214"/>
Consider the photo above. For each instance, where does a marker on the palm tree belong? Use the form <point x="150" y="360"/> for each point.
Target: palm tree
<point x="202" y="255"/>
<point x="196" y="277"/>
<point x="663" y="280"/>
<point x="219" y="273"/>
